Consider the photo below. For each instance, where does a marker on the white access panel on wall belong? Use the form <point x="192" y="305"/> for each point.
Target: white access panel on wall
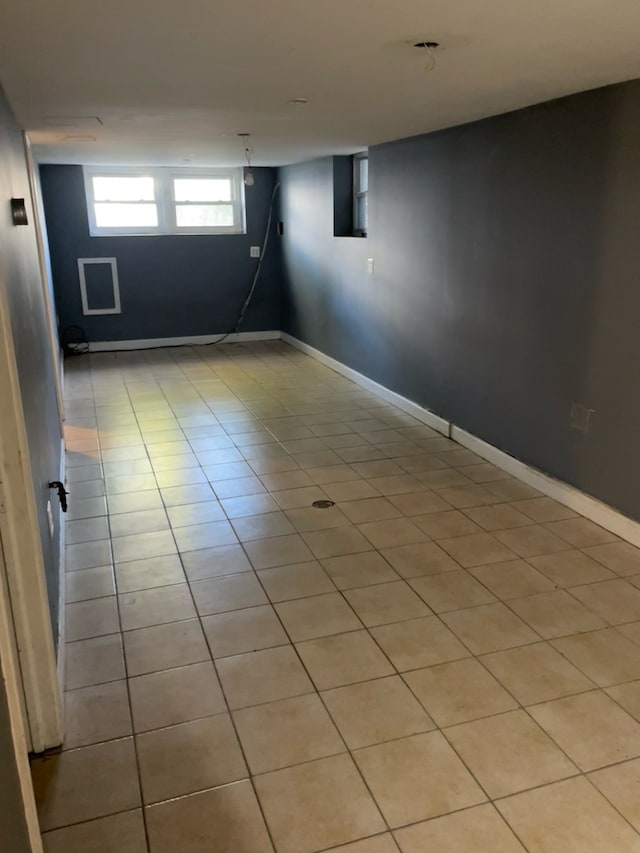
<point x="90" y="306"/>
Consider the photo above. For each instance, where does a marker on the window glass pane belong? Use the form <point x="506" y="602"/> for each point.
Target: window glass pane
<point x="109" y="215"/>
<point x="361" y="213"/>
<point x="363" y="177"/>
<point x="202" y="189"/>
<point x="204" y="215"/>
<point x="107" y="188"/>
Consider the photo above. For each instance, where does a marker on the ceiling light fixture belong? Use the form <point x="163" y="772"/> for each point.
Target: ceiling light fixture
<point x="249" y="179"/>
<point x="429" y="47"/>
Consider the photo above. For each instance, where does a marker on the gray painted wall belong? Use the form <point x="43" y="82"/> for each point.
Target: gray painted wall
<point x="507" y="262"/>
<point x="21" y="278"/>
<point x="170" y="286"/>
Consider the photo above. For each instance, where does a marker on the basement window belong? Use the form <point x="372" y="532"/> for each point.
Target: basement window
<point x="138" y="201"/>
<point x="360" y="193"/>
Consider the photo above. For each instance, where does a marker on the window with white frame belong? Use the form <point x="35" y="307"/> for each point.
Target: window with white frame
<point x="164" y="201"/>
<point x="360" y="193"/>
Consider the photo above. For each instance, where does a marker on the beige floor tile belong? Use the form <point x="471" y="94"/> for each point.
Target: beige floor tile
<point x="509" y="753"/>
<point x="536" y="673"/>
<point x="240" y="631"/>
<point x="606" y="657"/>
<point x="211" y="535"/>
<point x="354" y="570"/>
<point x="302" y="497"/>
<point x="82" y="784"/>
<point x="462" y="497"/>
<point x="139" y="546"/>
<point x="282" y="480"/>
<point x="296" y="581"/>
<point x="423" y="558"/>
<point x="95" y="714"/>
<point x="309" y="518"/>
<point x="556" y="614"/>
<point x="351" y="490"/>
<point x="93" y="618"/>
<point x="94" y="661"/>
<point x="377" y="468"/>
<point x="478" y="549"/>
<point x="236" y="487"/>
<point x="201" y="512"/>
<point x="189" y="757"/>
<point x="133" y="502"/>
<point x="384" y="603"/>
<point x="231" y="592"/>
<point x="145" y="574"/>
<point x="317" y="805"/>
<point x="631" y="631"/>
<point x="620" y="785"/>
<point x="513" y="490"/>
<point x="332" y="474"/>
<point x="369" y="509"/>
<point x="635" y="580"/>
<point x="86" y="530"/>
<point x="223" y="820"/>
<point x="532" y="541"/>
<point x="375" y="844"/>
<point x="336" y="542"/>
<point x="397" y="485"/>
<point x="279" y="551"/>
<point x="343" y="659"/>
<point x="164" y="647"/>
<point x="88" y="555"/>
<point x="569" y="815"/>
<point x="571" y="568"/>
<point x="513" y="579"/>
<point x="215" y="562"/>
<point x="175" y="696"/>
<point x="263" y="526"/>
<point x="119" y="833"/>
<point x="89" y="583"/>
<point x="142" y="521"/>
<point x="287" y="732"/>
<point x="497" y="517"/>
<point x="628" y="696"/>
<point x="621" y="557"/>
<point x="317" y="616"/>
<point x="580" y="532"/>
<point x="590" y="728"/>
<point x="249" y="505"/>
<point x="451" y="591"/>
<point x="391" y="532"/>
<point x="478" y="830"/>
<point x="376" y="711"/>
<point x="445" y="525"/>
<point x="543" y="510"/>
<point x="444" y="478"/>
<point x="418" y="643"/>
<point x="156" y="606"/>
<point x="262" y="676"/>
<point x="615" y="601"/>
<point x="489" y="628"/>
<point x="459" y="691"/>
<point x="416" y="778"/>
<point x="177" y="495"/>
<point x="419" y="502"/>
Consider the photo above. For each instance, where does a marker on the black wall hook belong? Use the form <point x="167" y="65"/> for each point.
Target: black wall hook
<point x="62" y="493"/>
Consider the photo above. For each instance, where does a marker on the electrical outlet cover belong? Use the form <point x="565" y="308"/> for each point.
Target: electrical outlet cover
<point x="254" y="252"/>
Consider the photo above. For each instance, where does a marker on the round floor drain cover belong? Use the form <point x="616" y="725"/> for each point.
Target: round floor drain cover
<point x="323" y="504"/>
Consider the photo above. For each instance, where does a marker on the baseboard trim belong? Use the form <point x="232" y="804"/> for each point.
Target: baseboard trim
<point x="600" y="513"/>
<point x="195" y="340"/>
<point x="418" y="412"/>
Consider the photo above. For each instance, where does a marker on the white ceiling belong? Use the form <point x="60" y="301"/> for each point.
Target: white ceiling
<point x="175" y="81"/>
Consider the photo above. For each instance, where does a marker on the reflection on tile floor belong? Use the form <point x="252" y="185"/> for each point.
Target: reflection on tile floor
<point x="446" y="660"/>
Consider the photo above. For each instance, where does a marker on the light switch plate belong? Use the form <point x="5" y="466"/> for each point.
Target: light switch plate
<point x="254" y="251"/>
<point x="370" y="266"/>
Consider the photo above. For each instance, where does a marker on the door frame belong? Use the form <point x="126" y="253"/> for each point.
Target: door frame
<point x="23" y="558"/>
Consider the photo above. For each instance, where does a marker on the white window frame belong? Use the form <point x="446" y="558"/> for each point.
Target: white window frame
<point x="163" y="177"/>
<point x="359" y="193"/>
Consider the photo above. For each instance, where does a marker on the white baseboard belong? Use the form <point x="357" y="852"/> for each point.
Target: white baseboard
<point x="600" y="513"/>
<point x="418" y="412"/>
<point x="591" y="508"/>
<point x="195" y="340"/>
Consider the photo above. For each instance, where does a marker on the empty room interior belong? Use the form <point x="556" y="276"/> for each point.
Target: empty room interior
<point x="320" y="423"/>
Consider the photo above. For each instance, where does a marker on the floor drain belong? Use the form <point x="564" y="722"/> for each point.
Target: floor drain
<point x="323" y="504"/>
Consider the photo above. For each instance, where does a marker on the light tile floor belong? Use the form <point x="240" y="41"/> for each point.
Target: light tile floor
<point x="445" y="660"/>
